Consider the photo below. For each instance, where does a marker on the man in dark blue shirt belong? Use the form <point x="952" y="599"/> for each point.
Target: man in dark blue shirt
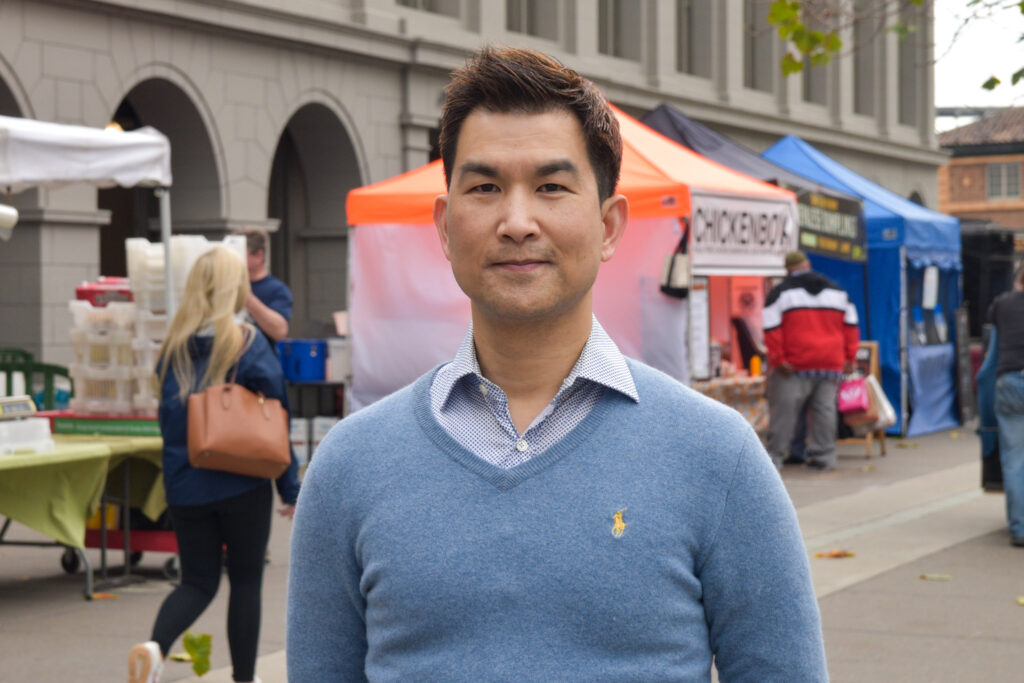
<point x="270" y="302"/>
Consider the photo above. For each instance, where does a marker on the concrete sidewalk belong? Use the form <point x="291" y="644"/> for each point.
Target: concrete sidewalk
<point x="917" y="511"/>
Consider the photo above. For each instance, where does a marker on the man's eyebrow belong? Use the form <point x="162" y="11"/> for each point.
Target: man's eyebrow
<point x="557" y="167"/>
<point x="479" y="169"/>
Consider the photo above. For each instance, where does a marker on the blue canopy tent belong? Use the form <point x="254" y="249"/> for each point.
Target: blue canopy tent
<point x="908" y="245"/>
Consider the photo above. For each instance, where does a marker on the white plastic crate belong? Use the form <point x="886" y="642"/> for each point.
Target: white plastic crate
<point x="146" y="352"/>
<point x="102" y="348"/>
<point x="150" y="326"/>
<point x="27" y="435"/>
<point x="116" y="315"/>
<point x="102" y="390"/>
<point x="146" y="264"/>
<point x="145" y="404"/>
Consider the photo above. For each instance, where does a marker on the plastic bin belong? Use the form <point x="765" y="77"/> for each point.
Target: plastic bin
<point x="102" y="348"/>
<point x="30" y="434"/>
<point x="303" y="360"/>
<point x="117" y="315"/>
<point x="104" y="290"/>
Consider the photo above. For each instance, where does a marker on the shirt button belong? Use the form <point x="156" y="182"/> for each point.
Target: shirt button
<point x="522" y="446"/>
<point x="483" y="389"/>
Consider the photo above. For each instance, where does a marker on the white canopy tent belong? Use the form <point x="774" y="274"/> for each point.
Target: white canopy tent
<point x="41" y="154"/>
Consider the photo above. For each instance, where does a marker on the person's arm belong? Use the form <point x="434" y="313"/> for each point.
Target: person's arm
<point x="261" y="372"/>
<point x="326" y="619"/>
<point x="851" y="335"/>
<point x="759" y="601"/>
<point x="273" y="324"/>
<point x="774" y="340"/>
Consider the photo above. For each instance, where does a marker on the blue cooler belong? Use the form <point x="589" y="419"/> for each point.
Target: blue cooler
<point x="303" y="360"/>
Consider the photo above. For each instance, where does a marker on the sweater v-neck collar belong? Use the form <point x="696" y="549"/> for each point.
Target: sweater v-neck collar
<point x="500" y="478"/>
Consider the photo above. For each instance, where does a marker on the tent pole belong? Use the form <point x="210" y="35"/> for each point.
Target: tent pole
<point x="164" y="195"/>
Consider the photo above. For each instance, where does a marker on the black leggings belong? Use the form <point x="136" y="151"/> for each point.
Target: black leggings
<point x="242" y="525"/>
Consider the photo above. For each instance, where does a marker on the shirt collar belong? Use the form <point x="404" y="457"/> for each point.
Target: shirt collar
<point x="600" y="362"/>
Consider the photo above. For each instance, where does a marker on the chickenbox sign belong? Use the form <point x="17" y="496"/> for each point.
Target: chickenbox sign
<point x="735" y="235"/>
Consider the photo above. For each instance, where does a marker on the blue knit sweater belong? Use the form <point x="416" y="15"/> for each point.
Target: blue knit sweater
<point x="651" y="538"/>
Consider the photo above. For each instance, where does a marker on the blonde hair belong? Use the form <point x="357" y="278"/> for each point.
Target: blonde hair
<point x="215" y="291"/>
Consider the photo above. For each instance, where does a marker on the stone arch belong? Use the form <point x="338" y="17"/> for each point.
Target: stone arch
<point x="316" y="162"/>
<point x="197" y="202"/>
<point x="13" y="100"/>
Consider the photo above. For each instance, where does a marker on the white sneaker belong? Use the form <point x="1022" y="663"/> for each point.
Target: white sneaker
<point x="145" y="663"/>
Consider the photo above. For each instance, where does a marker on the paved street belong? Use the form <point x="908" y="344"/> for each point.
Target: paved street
<point x="917" y="512"/>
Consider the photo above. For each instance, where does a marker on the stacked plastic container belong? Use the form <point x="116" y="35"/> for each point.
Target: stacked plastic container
<point x="104" y="367"/>
<point x="148" y="282"/>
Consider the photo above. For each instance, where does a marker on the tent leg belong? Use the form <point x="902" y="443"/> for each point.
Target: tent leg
<point x="164" y="195"/>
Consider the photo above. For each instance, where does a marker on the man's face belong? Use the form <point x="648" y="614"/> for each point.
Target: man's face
<point x="253" y="260"/>
<point x="522" y="225"/>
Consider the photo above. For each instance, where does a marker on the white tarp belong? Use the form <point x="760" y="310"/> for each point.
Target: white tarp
<point x="407" y="314"/>
<point x="35" y="153"/>
<point x="735" y="235"/>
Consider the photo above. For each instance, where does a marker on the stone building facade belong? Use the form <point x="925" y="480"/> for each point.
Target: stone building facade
<point x="276" y="109"/>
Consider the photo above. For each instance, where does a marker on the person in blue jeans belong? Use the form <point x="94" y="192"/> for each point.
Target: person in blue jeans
<point x="1007" y="314"/>
<point x="212" y="510"/>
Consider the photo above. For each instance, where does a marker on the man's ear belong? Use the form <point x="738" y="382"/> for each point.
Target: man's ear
<point x="441" y="221"/>
<point x="614" y="216"/>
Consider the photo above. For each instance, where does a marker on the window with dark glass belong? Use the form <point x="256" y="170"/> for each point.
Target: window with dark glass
<point x="533" y="17"/>
<point x="1003" y="181"/>
<point x="909" y="64"/>
<point x="759" y="63"/>
<point x="448" y="8"/>
<point x="693" y="37"/>
<point x="619" y="28"/>
<point x="865" y="30"/>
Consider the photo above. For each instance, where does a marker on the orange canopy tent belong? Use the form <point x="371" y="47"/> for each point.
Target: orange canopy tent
<point x="407" y="314"/>
<point x="657" y="177"/>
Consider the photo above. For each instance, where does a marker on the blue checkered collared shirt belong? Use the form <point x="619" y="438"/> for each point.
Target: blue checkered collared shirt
<point x="475" y="412"/>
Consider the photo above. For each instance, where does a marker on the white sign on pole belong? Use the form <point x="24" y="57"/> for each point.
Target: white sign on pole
<point x="699" y="340"/>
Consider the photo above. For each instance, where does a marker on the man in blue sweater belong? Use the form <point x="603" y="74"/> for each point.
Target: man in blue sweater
<point x="542" y="508"/>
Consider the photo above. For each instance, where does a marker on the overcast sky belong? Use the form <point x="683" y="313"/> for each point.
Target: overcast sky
<point x="987" y="46"/>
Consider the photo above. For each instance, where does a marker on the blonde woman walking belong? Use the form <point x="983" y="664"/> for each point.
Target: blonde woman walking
<point x="213" y="510"/>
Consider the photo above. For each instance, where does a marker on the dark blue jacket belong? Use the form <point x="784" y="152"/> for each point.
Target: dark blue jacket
<point x="258" y="370"/>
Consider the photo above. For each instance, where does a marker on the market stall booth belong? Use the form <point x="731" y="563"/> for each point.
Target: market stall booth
<point x="830" y="226"/>
<point x="914" y="289"/>
<point x="43" y="154"/>
<point x="407" y="314"/>
<point x="56" y="492"/>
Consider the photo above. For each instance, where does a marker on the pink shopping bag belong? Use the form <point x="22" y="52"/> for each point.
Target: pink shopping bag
<point x="853" y="395"/>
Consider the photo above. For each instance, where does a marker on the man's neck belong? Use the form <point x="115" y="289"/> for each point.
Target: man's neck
<point x="530" y="360"/>
<point x="258" y="274"/>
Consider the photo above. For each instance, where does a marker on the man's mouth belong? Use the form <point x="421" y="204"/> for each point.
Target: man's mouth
<point x="520" y="265"/>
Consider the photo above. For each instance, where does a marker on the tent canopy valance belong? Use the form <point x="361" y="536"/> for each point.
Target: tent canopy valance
<point x="42" y="154"/>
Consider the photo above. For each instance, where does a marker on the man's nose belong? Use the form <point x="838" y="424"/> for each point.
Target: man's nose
<point x="517" y="221"/>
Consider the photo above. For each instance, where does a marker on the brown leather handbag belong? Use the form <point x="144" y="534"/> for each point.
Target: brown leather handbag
<point x="232" y="429"/>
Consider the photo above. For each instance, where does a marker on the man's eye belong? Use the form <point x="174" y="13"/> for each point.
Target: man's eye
<point x="486" y="188"/>
<point x="551" y="187"/>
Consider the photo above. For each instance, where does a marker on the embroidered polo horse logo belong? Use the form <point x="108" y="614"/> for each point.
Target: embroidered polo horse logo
<point x="619" y="526"/>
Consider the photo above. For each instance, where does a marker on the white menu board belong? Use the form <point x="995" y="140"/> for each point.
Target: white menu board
<point x="699" y="329"/>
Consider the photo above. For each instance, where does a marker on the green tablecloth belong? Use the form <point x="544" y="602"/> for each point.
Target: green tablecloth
<point x="56" y="493"/>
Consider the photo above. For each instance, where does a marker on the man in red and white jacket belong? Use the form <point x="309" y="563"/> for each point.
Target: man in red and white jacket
<point x="810" y="329"/>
